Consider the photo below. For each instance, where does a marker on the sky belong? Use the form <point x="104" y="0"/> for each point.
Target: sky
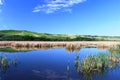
<point x="84" y="17"/>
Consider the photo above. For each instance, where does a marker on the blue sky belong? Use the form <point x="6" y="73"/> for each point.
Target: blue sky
<point x="88" y="17"/>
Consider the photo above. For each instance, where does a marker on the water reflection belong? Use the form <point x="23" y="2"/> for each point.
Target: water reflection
<point x="68" y="71"/>
<point x="45" y="64"/>
<point x="69" y="48"/>
<point x="49" y="75"/>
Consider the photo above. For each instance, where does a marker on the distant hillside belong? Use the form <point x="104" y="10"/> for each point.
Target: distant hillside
<point x="22" y="35"/>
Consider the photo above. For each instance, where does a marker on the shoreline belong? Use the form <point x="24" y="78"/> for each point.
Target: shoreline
<point x="89" y="43"/>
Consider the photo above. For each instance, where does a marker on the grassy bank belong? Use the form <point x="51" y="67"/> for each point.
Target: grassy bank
<point x="22" y="35"/>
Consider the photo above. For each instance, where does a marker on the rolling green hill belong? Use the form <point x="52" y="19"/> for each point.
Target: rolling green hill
<point x="22" y="35"/>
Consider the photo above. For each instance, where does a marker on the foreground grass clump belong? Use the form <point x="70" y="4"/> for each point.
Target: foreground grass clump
<point x="96" y="63"/>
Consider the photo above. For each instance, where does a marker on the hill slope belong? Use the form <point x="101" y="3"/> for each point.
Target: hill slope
<point x="22" y="35"/>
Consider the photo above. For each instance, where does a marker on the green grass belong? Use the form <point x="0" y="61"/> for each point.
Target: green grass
<point x="23" y="35"/>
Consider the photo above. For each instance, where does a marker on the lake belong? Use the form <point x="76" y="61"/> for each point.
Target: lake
<point x="52" y="64"/>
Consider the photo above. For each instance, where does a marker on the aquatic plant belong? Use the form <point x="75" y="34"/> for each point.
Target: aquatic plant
<point x="115" y="48"/>
<point x="5" y="63"/>
<point x="115" y="53"/>
<point x="15" y="62"/>
<point x="96" y="63"/>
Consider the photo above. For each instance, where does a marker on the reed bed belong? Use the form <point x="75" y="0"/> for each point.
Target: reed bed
<point x="94" y="63"/>
<point x="70" y="46"/>
<point x="62" y="43"/>
<point x="97" y="63"/>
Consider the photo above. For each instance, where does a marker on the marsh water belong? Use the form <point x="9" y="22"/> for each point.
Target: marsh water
<point x="52" y="64"/>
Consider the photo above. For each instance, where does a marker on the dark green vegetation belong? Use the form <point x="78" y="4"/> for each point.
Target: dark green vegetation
<point x="22" y="35"/>
<point x="9" y="49"/>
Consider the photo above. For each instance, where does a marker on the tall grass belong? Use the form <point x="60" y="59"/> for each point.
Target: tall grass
<point x="96" y="63"/>
<point x="62" y="44"/>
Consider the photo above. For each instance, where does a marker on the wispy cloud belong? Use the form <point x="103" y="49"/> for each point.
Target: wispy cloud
<point x="1" y="2"/>
<point x="51" y="6"/>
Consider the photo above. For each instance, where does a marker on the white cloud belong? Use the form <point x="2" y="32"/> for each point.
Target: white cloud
<point x="1" y="2"/>
<point x="50" y="6"/>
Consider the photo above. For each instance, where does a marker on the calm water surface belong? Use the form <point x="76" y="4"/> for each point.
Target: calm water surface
<point x="52" y="64"/>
